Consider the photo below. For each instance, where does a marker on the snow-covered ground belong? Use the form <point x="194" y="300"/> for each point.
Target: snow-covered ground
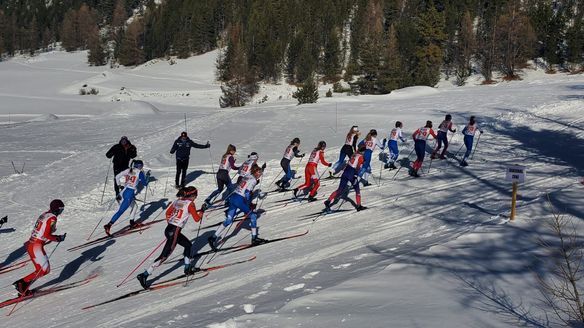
<point x="430" y="252"/>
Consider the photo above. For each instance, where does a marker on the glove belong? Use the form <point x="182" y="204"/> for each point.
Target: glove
<point x="384" y="141"/>
<point x="330" y="164"/>
<point x="454" y="131"/>
<point x="148" y="174"/>
<point x="264" y="166"/>
<point x="208" y="145"/>
<point x="481" y="131"/>
<point x="302" y="155"/>
<point x="61" y="238"/>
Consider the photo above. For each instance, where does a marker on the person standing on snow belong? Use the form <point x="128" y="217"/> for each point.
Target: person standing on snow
<point x="469" y="131"/>
<point x="177" y="215"/>
<point x="41" y="235"/>
<point x="130" y="178"/>
<point x="182" y="146"/>
<point x="350" y="175"/>
<point x="347" y="150"/>
<point x="311" y="171"/>
<point x="223" y="178"/>
<point x="420" y="136"/>
<point x="240" y="201"/>
<point x="370" y="143"/>
<point x="443" y="129"/>
<point x="394" y="135"/>
<point x="290" y="152"/>
<point x="122" y="153"/>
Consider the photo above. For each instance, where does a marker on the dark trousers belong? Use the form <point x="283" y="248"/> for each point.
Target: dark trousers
<point x="174" y="236"/>
<point x="116" y="172"/>
<point x="181" y="171"/>
<point x="223" y="180"/>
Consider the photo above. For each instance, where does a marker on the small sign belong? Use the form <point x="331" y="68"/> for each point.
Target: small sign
<point x="515" y="173"/>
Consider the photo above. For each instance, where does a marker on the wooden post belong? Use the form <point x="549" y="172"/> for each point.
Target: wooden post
<point x="513" y="201"/>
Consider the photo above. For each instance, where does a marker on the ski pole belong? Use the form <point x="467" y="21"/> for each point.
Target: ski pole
<point x="36" y="276"/>
<point x="211" y="158"/>
<point x="167" y="175"/>
<point x="139" y="265"/>
<point x="476" y="146"/>
<point x="105" y="183"/>
<point x="98" y="223"/>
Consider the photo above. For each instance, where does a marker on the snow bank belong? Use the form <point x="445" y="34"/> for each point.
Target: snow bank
<point x="136" y="107"/>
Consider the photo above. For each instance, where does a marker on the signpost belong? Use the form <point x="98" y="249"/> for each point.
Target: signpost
<point x="515" y="174"/>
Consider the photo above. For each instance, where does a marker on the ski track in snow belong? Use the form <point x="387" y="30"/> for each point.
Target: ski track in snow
<point x="65" y="159"/>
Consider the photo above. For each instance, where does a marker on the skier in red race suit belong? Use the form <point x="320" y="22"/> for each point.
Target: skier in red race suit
<point x="41" y="235"/>
<point x="311" y="171"/>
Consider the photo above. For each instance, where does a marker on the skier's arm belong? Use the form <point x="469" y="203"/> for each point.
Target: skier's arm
<point x="132" y="151"/>
<point x="297" y="152"/>
<point x="193" y="211"/>
<point x="232" y="163"/>
<point x="433" y="134"/>
<point x="110" y="153"/>
<point x="48" y="233"/>
<point x="120" y="175"/>
<point x="174" y="147"/>
<point x="196" y="145"/>
<point x="169" y="211"/>
<point x="401" y="137"/>
<point x="354" y="145"/>
<point x="143" y="178"/>
<point x="380" y="144"/>
<point x="415" y="134"/>
<point x="323" y="161"/>
<point x="451" y="128"/>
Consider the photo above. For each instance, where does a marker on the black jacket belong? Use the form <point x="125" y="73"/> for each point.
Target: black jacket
<point x="121" y="155"/>
<point x="182" y="147"/>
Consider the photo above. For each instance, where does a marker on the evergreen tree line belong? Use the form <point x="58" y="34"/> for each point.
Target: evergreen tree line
<point x="378" y="45"/>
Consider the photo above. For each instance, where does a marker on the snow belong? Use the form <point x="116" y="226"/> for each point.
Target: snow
<point x="430" y="252"/>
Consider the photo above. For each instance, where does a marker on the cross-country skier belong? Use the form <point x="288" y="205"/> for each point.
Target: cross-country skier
<point x="394" y="135"/>
<point x="311" y="171"/>
<point x="469" y="131"/>
<point x="122" y="153"/>
<point x="240" y="201"/>
<point x="420" y="136"/>
<point x="370" y="143"/>
<point x="182" y="146"/>
<point x="177" y="215"/>
<point x="42" y="234"/>
<point x="245" y="168"/>
<point x="130" y="178"/>
<point x="290" y="152"/>
<point x="350" y="175"/>
<point x="443" y="129"/>
<point x="348" y="148"/>
<point x="223" y="178"/>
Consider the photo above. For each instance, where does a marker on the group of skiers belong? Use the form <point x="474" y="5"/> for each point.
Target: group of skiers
<point x="130" y="175"/>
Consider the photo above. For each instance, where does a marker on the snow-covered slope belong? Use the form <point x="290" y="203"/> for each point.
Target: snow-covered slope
<point x="432" y="252"/>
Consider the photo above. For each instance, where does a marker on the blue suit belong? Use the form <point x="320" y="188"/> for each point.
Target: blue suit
<point x="128" y="196"/>
<point x="238" y="202"/>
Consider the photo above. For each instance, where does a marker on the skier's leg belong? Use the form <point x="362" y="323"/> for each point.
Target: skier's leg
<point x="40" y="260"/>
<point x="127" y="199"/>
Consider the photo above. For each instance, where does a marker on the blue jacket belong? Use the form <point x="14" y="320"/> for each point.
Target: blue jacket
<point x="182" y="147"/>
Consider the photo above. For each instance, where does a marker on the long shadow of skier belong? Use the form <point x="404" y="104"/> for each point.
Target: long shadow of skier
<point x="193" y="175"/>
<point x="92" y="254"/>
<point x="147" y="210"/>
<point x="7" y="230"/>
<point x="15" y="255"/>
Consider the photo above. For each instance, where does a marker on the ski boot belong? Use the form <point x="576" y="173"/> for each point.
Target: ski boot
<point x="327" y="206"/>
<point x="392" y="166"/>
<point x="433" y="156"/>
<point x="107" y="229"/>
<point x="134" y="224"/>
<point x="22" y="287"/>
<point x="142" y="278"/>
<point x="365" y="183"/>
<point x="360" y="208"/>
<point x="212" y="243"/>
<point x="463" y="163"/>
<point x="191" y="269"/>
<point x="256" y="240"/>
<point x="295" y="191"/>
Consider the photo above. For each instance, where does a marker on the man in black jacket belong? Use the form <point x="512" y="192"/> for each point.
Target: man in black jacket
<point x="182" y="147"/>
<point x="122" y="153"/>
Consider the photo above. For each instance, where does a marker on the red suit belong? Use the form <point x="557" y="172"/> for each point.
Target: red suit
<point x="42" y="233"/>
<point x="310" y="172"/>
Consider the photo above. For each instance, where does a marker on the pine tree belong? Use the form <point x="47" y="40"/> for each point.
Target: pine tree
<point x="33" y="37"/>
<point x="515" y="40"/>
<point x="69" y="31"/>
<point x="429" y="52"/>
<point x="464" y="49"/>
<point x="549" y="26"/>
<point x="131" y="52"/>
<point x="331" y="58"/>
<point x="392" y="71"/>
<point x="307" y="93"/>
<point x="2" y="29"/>
<point x="97" y="54"/>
